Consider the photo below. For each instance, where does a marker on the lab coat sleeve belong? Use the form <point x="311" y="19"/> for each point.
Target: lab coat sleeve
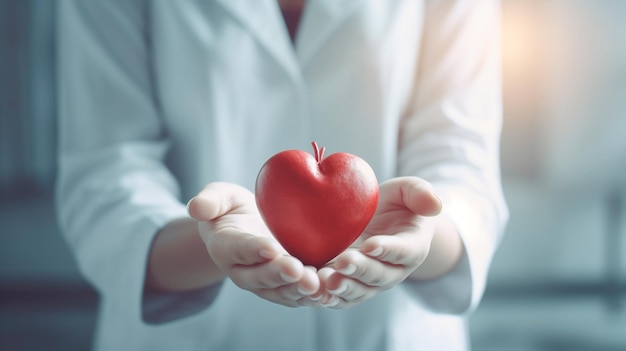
<point x="450" y="136"/>
<point x="113" y="190"/>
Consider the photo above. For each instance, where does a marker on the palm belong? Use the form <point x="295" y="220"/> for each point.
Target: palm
<point x="389" y="220"/>
<point x="240" y="244"/>
<point x="401" y="208"/>
<point x="242" y="219"/>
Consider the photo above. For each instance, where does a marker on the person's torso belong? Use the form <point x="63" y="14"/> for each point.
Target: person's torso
<point x="229" y="79"/>
<point x="233" y="90"/>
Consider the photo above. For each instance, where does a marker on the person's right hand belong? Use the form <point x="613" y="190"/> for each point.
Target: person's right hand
<point x="243" y="248"/>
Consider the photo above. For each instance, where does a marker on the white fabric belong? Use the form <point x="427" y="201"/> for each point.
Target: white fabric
<point x="158" y="98"/>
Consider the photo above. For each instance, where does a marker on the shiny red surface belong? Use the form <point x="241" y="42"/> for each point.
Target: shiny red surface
<point x="316" y="209"/>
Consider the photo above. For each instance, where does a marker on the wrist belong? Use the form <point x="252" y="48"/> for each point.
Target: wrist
<point x="446" y="250"/>
<point x="178" y="259"/>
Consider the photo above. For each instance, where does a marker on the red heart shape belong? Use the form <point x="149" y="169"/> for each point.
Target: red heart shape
<point x="316" y="207"/>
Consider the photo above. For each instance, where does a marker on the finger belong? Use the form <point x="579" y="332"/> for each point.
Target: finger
<point x="281" y="271"/>
<point x="228" y="248"/>
<point x="405" y="249"/>
<point x="309" y="284"/>
<point x="306" y="286"/>
<point x="349" y="291"/>
<point x="273" y="296"/>
<point x="412" y="192"/>
<point x="322" y="296"/>
<point x="217" y="199"/>
<point x="367" y="270"/>
<point x="283" y="293"/>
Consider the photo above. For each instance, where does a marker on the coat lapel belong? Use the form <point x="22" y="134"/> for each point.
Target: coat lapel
<point x="264" y="20"/>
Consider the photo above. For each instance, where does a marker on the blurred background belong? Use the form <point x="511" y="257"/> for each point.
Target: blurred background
<point x="558" y="281"/>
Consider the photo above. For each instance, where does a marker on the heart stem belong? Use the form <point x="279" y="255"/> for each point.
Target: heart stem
<point x="319" y="153"/>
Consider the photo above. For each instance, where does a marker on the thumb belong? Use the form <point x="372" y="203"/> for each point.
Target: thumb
<point x="414" y="193"/>
<point x="217" y="199"/>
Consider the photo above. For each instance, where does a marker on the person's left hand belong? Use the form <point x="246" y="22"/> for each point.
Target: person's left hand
<point x="395" y="242"/>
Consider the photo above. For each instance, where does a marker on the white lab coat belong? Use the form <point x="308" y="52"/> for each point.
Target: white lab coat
<point x="158" y="98"/>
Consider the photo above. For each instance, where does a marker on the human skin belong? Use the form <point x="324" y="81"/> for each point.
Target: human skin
<point x="226" y="237"/>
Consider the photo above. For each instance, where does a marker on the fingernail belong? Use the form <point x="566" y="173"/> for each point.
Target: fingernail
<point x="286" y="278"/>
<point x="438" y="207"/>
<point x="347" y="270"/>
<point x="189" y="203"/>
<point x="326" y="299"/>
<point x="315" y="298"/>
<point x="332" y="302"/>
<point x="342" y="288"/>
<point x="438" y="199"/>
<point x="266" y="254"/>
<point x="304" y="291"/>
<point x="376" y="252"/>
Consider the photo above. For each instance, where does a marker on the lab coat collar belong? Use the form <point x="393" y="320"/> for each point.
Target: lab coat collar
<point x="264" y="20"/>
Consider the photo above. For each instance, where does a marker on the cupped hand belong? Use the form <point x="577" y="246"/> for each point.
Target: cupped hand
<point x="393" y="245"/>
<point x="243" y="248"/>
